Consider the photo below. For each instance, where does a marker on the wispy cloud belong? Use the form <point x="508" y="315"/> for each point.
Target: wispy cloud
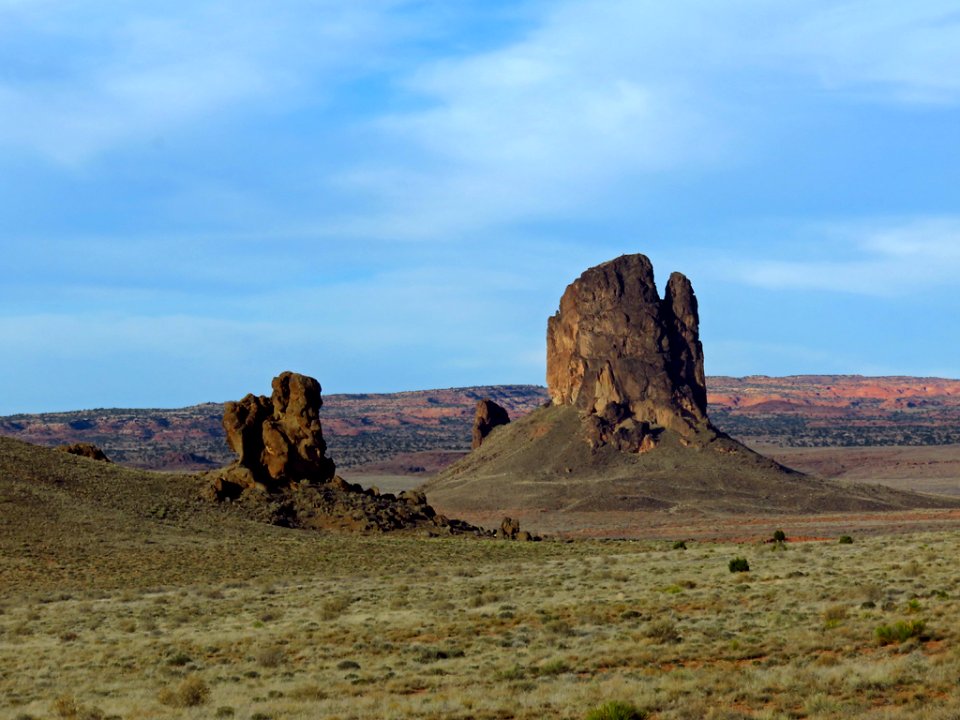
<point x="134" y="73"/>
<point x="906" y="52"/>
<point x="899" y="257"/>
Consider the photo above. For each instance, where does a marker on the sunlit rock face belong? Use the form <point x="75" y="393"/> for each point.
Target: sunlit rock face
<point x="630" y="361"/>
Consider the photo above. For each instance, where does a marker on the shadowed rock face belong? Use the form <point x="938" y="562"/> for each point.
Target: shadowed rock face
<point x="88" y="450"/>
<point x="488" y="416"/>
<point x="630" y="361"/>
<point x="279" y="439"/>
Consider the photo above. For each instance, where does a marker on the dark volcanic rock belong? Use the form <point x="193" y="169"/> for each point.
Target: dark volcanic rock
<point x="282" y="474"/>
<point x="629" y="361"/>
<point x="87" y="450"/>
<point x="488" y="416"/>
<point x="280" y="439"/>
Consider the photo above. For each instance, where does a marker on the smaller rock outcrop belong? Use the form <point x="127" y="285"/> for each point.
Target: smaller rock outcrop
<point x="488" y="416"/>
<point x="280" y="439"/>
<point x="510" y="530"/>
<point x="87" y="450"/>
<point x="283" y="476"/>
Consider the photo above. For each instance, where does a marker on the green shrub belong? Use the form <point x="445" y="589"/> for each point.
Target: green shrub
<point x="616" y="710"/>
<point x="739" y="564"/>
<point x="900" y="631"/>
<point x="779" y="536"/>
<point x="680" y="545"/>
<point x="845" y="540"/>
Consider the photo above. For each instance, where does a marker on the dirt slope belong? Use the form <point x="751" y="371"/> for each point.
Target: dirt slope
<point x="541" y="462"/>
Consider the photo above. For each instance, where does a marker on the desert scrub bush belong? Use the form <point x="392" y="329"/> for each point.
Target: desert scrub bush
<point x="191" y="692"/>
<point x="901" y="631"/>
<point x="738" y="565"/>
<point x="67" y="707"/>
<point x="833" y="615"/>
<point x="333" y="607"/>
<point x="845" y="540"/>
<point x="663" y="631"/>
<point x="431" y="654"/>
<point x="779" y="536"/>
<point x="271" y="657"/>
<point x="553" y="667"/>
<point x="616" y="710"/>
<point x="680" y="545"/>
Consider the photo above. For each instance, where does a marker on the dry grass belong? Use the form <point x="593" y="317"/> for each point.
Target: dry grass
<point x="470" y="629"/>
<point x="107" y="611"/>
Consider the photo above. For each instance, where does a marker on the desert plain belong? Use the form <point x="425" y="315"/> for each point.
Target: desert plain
<point x="122" y="596"/>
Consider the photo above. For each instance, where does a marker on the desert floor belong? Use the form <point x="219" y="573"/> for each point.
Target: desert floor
<point x="144" y="604"/>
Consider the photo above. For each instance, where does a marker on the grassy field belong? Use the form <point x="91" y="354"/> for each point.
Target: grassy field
<point x="394" y="628"/>
<point x="145" y="604"/>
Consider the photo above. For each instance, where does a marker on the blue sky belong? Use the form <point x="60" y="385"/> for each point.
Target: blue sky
<point x="393" y="195"/>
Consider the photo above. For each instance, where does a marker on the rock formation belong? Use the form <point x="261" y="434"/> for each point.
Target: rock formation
<point x="629" y="361"/>
<point x="488" y="416"/>
<point x="279" y="439"/>
<point x="282" y="474"/>
<point x="87" y="450"/>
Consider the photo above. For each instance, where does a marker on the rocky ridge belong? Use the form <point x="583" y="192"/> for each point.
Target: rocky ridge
<point x="797" y="411"/>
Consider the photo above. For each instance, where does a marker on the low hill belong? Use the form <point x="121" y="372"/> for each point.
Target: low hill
<point x="542" y="463"/>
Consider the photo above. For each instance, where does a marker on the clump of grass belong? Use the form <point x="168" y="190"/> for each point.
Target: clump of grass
<point x="272" y="657"/>
<point x="553" y="667"/>
<point x="834" y="614"/>
<point x="616" y="710"/>
<point x="680" y="545"/>
<point x="845" y="540"/>
<point x="432" y="654"/>
<point x="738" y="565"/>
<point x="663" y="631"/>
<point x="193" y="691"/>
<point x="333" y="607"/>
<point x="179" y="659"/>
<point x="901" y="631"/>
<point x="66" y="706"/>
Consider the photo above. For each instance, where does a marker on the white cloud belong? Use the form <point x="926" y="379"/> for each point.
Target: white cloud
<point x="895" y="258"/>
<point x="891" y="49"/>
<point x="546" y="126"/>
<point x="132" y="74"/>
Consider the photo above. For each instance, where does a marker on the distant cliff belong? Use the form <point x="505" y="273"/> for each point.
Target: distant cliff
<point x="798" y="411"/>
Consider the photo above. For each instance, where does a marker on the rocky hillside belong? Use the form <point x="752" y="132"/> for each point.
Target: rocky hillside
<point x="797" y="411"/>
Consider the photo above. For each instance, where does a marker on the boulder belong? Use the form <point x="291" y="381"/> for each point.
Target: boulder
<point x="488" y="415"/>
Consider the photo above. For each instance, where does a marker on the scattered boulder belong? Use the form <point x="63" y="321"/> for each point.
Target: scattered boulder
<point x="629" y="361"/>
<point x="510" y="530"/>
<point x="488" y="416"/>
<point x="87" y="450"/>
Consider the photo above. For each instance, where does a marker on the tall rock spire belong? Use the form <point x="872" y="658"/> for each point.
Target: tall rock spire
<point x="629" y="361"/>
